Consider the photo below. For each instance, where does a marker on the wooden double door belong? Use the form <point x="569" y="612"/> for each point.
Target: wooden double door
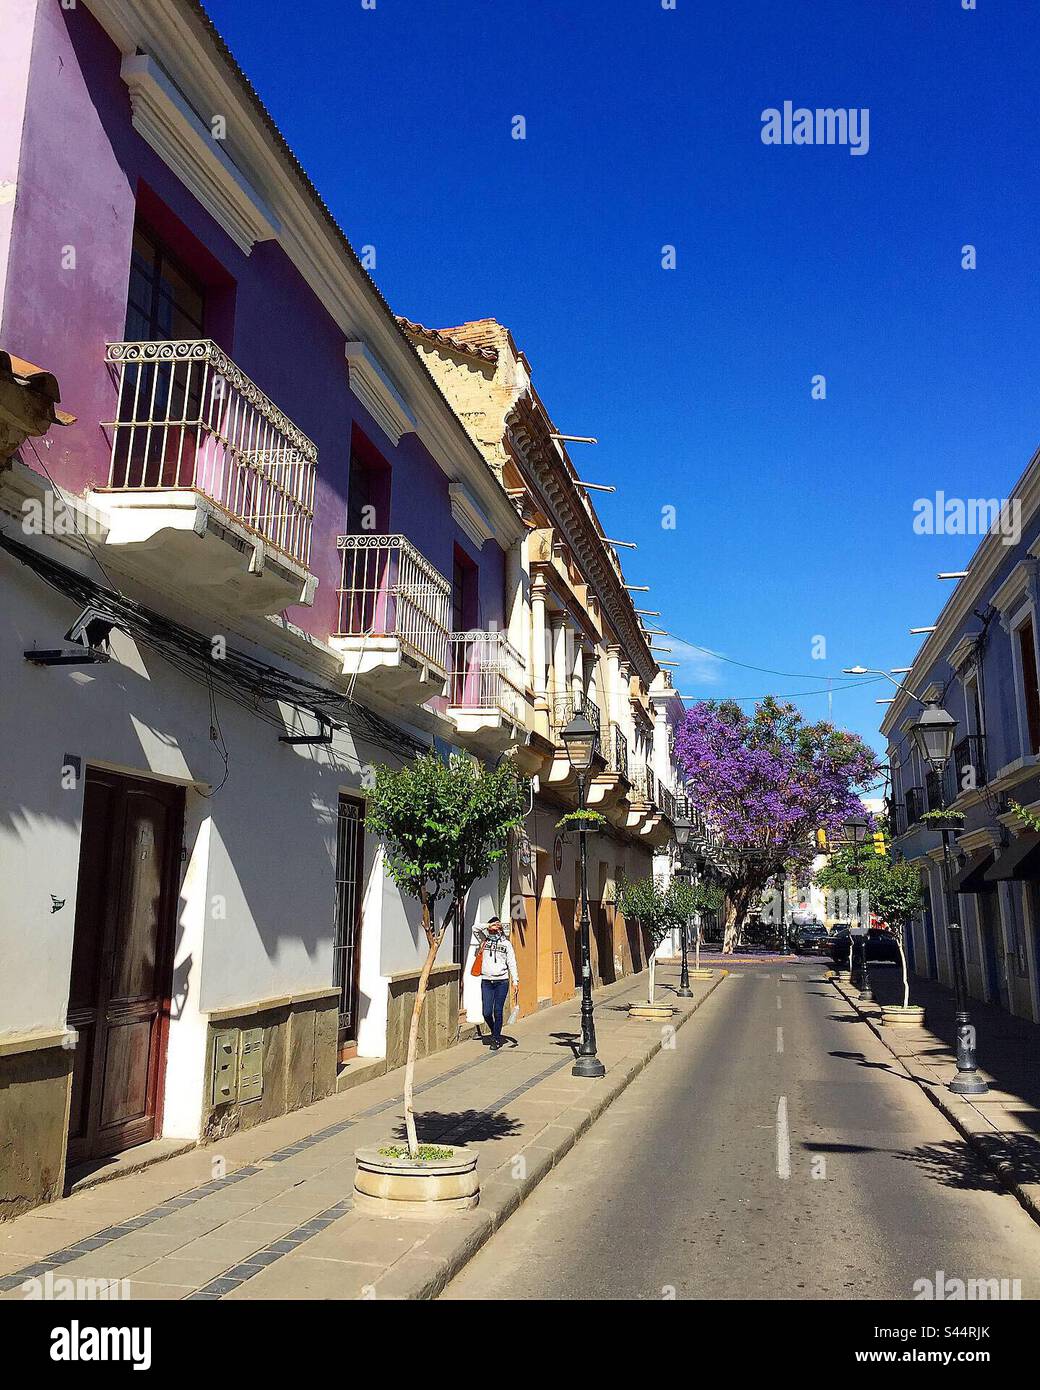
<point x="122" y="960"/>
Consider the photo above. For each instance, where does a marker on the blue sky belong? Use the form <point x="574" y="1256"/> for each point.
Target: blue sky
<point x="793" y="515"/>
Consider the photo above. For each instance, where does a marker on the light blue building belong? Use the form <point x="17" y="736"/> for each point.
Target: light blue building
<point x="981" y="665"/>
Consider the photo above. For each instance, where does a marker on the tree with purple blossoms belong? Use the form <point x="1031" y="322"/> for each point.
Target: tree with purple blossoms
<point x="767" y="781"/>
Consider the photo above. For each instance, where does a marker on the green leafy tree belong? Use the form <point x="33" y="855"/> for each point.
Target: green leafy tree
<point x="443" y="825"/>
<point x="893" y="888"/>
<point x="642" y="901"/>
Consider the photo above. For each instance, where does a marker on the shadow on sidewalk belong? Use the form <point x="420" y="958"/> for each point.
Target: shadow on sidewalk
<point x="460" y="1127"/>
<point x="1008" y="1048"/>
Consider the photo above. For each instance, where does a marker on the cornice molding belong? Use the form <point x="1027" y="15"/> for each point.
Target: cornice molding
<point x="1014" y="587"/>
<point x="162" y="117"/>
<point x="377" y="393"/>
<point x="575" y="525"/>
<point x="467" y="512"/>
<point x="960" y="654"/>
<point x="969" y="592"/>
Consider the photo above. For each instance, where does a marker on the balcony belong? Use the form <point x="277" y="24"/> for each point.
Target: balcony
<point x="969" y="764"/>
<point x="209" y="482"/>
<point x="614" y="745"/>
<point x="486" y="688"/>
<point x="560" y="775"/>
<point x="913" y="806"/>
<point x="565" y="707"/>
<point x="393" y="619"/>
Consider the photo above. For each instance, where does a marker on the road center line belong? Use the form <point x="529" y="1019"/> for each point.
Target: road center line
<point x="779" y="1040"/>
<point x="783" y="1140"/>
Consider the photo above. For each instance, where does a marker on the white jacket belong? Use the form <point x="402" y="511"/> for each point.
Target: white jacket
<point x="498" y="960"/>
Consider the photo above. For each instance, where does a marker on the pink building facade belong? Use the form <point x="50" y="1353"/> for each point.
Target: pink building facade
<point x="258" y="564"/>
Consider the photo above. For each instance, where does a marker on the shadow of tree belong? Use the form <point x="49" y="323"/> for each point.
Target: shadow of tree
<point x="861" y="1061"/>
<point x="461" y="1126"/>
<point x="954" y="1164"/>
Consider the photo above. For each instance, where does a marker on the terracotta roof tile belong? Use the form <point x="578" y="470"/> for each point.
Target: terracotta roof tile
<point x="451" y="338"/>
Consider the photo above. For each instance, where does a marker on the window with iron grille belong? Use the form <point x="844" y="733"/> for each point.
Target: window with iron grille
<point x="350" y="858"/>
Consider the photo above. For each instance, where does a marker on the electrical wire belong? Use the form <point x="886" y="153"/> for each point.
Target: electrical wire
<point x="250" y="683"/>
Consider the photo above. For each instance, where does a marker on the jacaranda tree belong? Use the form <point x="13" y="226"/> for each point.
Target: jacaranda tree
<point x="768" y="781"/>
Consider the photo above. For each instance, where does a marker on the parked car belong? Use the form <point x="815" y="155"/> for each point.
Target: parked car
<point x="811" y="939"/>
<point x="881" y="945"/>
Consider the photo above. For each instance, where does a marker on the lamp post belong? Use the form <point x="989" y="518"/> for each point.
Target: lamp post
<point x="860" y="978"/>
<point x="934" y="733"/>
<point x="581" y="740"/>
<point x="682" y="835"/>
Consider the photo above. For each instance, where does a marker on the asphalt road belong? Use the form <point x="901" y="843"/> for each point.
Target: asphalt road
<point x="775" y="1153"/>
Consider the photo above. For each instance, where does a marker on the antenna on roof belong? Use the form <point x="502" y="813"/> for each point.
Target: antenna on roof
<point x="573" y="438"/>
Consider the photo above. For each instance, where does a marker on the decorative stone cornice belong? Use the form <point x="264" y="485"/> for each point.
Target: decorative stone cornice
<point x="962" y="652"/>
<point x="178" y="136"/>
<point x="377" y="393"/>
<point x="1014" y="587"/>
<point x="530" y="437"/>
<point x="467" y="512"/>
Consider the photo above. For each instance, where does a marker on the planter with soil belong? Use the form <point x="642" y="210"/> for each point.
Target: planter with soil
<point x="903" y="1015"/>
<point x="439" y="1183"/>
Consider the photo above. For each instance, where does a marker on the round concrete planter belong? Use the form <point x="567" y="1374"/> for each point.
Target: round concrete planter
<point x="654" y="1011"/>
<point x="912" y="1016"/>
<point x="426" y="1188"/>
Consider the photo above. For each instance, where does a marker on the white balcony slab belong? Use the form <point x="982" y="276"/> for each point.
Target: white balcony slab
<point x="178" y="539"/>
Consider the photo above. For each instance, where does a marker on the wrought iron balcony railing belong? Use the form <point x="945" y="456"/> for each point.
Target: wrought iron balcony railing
<point x="666" y="800"/>
<point x="969" y="763"/>
<point x="913" y="806"/>
<point x="389" y="590"/>
<point x="189" y="418"/>
<point x="615" y="745"/>
<point x="487" y="673"/>
<point x="565" y="707"/>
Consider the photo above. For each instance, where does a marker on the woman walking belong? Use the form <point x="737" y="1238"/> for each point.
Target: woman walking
<point x="497" y="967"/>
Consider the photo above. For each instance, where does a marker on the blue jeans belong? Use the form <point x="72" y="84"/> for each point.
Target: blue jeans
<point x="493" y="995"/>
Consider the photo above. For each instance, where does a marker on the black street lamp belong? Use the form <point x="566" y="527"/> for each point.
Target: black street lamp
<point x="860" y="978"/>
<point x="934" y="733"/>
<point x="581" y="740"/>
<point x="682" y="836"/>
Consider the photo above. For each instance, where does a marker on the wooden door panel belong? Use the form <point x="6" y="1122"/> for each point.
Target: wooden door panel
<point x="122" y="959"/>
<point x="124" y="1090"/>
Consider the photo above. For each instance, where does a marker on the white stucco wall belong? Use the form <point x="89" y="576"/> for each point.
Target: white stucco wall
<point x="256" y="909"/>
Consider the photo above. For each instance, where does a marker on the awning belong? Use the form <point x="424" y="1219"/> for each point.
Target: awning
<point x="971" y="879"/>
<point x="1020" y="860"/>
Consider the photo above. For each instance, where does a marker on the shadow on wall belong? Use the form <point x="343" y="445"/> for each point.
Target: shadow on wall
<point x="140" y="715"/>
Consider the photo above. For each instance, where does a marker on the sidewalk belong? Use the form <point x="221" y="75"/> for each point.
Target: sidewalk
<point x="268" y="1214"/>
<point x="1004" y="1124"/>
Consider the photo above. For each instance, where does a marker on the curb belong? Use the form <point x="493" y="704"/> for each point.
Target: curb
<point x="423" y="1274"/>
<point x="985" y="1139"/>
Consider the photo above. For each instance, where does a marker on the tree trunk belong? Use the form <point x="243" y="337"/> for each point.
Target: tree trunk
<point x="902" y="962"/>
<point x="413" y="1031"/>
<point x="651" y="972"/>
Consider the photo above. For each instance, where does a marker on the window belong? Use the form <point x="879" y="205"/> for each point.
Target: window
<point x="350" y="859"/>
<point x="368" y="489"/>
<point x="164" y="301"/>
<point x="464" y="603"/>
<point x="1027" y="657"/>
